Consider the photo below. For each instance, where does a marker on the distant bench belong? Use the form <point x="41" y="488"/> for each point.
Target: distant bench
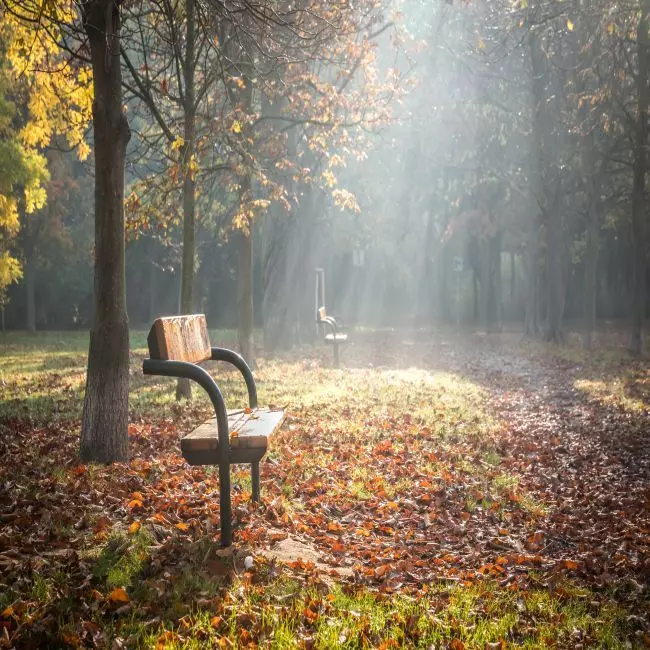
<point x="335" y="337"/>
<point x="176" y="345"/>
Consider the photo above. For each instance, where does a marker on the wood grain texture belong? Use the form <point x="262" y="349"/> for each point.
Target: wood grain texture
<point x="247" y="430"/>
<point x="180" y="338"/>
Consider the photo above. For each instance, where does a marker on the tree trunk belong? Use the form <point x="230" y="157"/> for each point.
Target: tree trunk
<point x="495" y="250"/>
<point x="424" y="314"/>
<point x="486" y="283"/>
<point x="183" y="387"/>
<point x="245" y="283"/>
<point x="531" y="257"/>
<point x="513" y="270"/>
<point x="475" y="283"/>
<point x="30" y="283"/>
<point x="554" y="274"/>
<point x="638" y="189"/>
<point x="538" y="163"/>
<point x="245" y="295"/>
<point x="104" y="429"/>
<point x="277" y="232"/>
<point x="590" y="278"/>
<point x="153" y="302"/>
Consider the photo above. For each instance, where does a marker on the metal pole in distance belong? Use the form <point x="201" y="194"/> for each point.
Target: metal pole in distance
<point x="337" y="363"/>
<point x="320" y="296"/>
<point x="457" y="299"/>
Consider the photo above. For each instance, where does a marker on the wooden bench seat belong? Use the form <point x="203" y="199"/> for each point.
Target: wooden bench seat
<point x="340" y="338"/>
<point x="249" y="433"/>
<point x="177" y="344"/>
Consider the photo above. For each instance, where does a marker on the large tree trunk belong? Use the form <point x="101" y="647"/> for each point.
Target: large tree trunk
<point x="104" y="429"/>
<point x="183" y="387"/>
<point x="638" y="189"/>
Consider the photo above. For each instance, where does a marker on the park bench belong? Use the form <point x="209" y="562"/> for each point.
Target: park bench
<point x="335" y="337"/>
<point x="177" y="344"/>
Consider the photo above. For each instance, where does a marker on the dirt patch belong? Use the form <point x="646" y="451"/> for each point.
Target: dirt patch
<point x="291" y="549"/>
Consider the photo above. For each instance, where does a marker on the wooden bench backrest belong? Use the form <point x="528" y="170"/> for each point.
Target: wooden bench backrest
<point x="322" y="314"/>
<point x="180" y="338"/>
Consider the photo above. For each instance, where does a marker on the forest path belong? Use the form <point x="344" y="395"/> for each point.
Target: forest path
<point x="587" y="459"/>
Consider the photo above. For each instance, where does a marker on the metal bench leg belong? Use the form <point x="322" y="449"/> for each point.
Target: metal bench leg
<point x="336" y="355"/>
<point x="224" y="503"/>
<point x="255" y="480"/>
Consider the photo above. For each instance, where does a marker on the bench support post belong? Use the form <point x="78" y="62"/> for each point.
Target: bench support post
<point x="337" y="362"/>
<point x="255" y="481"/>
<point x="225" y="514"/>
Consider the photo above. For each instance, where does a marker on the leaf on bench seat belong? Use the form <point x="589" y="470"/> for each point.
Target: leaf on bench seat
<point x="246" y="430"/>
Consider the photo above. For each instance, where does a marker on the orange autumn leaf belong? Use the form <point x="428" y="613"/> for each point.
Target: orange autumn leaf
<point x="118" y="595"/>
<point x="382" y="570"/>
<point x="134" y="527"/>
<point x="165" y="639"/>
<point x="182" y="526"/>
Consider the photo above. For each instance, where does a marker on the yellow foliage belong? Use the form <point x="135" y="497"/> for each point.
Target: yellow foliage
<point x="57" y="94"/>
<point x="328" y="178"/>
<point x="9" y="271"/>
<point x="8" y="214"/>
<point x="346" y="201"/>
<point x="49" y="97"/>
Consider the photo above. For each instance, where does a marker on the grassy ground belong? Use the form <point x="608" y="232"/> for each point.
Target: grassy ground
<point x="417" y="476"/>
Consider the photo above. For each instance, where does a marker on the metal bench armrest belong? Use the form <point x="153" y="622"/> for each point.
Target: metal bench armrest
<point x="230" y="356"/>
<point x="202" y="377"/>
<point x="330" y="322"/>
